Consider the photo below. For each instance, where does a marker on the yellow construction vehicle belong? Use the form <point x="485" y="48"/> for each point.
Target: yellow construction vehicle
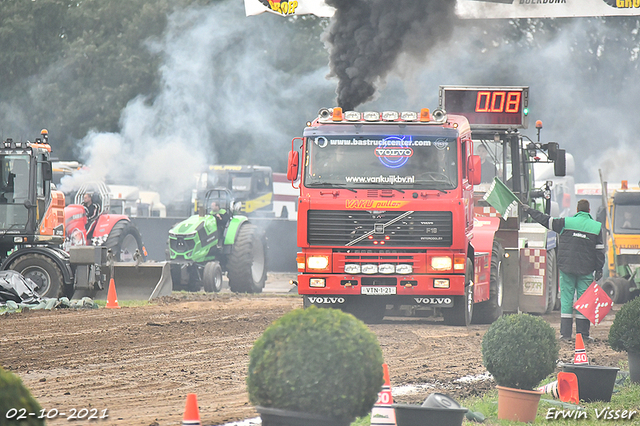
<point x="623" y="242"/>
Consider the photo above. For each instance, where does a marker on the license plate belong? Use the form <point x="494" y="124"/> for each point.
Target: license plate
<point x="377" y="290"/>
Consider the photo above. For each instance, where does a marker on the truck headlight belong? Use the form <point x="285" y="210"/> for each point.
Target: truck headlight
<point x="369" y="269"/>
<point x="317" y="282"/>
<point x="386" y="268"/>
<point x="441" y="263"/>
<point x="404" y="269"/>
<point x="317" y="262"/>
<point x="352" y="268"/>
<point x="441" y="283"/>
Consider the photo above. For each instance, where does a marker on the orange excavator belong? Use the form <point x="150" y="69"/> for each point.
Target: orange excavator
<point x="33" y="239"/>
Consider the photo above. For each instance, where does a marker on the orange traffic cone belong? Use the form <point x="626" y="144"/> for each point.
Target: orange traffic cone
<point x="382" y="412"/>
<point x="565" y="388"/>
<point x="191" y="415"/>
<point x="112" y="297"/>
<point x="580" y="356"/>
<point x="568" y="387"/>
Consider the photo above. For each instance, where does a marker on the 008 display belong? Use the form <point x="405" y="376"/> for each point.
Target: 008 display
<point x="488" y="106"/>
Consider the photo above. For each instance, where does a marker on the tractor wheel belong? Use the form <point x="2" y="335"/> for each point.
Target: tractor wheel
<point x="124" y="239"/>
<point x="462" y="311"/>
<point x="617" y="289"/>
<point x="246" y="265"/>
<point x="42" y="271"/>
<point x="489" y="311"/>
<point x="212" y="277"/>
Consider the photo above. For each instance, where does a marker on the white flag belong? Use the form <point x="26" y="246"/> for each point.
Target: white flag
<point x="289" y="7"/>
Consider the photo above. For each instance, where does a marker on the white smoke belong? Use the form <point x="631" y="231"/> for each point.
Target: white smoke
<point x="219" y="85"/>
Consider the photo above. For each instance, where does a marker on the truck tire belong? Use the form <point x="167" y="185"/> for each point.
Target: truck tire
<point x="43" y="271"/>
<point x="212" y="277"/>
<point x="123" y="240"/>
<point x="553" y="295"/>
<point x="246" y="265"/>
<point x="489" y="311"/>
<point x="617" y="289"/>
<point x="461" y="313"/>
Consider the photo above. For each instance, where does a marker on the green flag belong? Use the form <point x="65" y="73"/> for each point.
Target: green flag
<point x="502" y="199"/>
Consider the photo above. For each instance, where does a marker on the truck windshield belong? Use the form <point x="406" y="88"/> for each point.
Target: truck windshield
<point x="14" y="191"/>
<point x="399" y="162"/>
<point x="237" y="182"/>
<point x="626" y="219"/>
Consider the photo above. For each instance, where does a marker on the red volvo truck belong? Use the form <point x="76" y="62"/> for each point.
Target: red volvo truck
<point x="390" y="211"/>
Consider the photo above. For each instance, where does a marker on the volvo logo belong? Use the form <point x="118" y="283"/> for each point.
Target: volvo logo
<point x="394" y="152"/>
<point x="326" y="300"/>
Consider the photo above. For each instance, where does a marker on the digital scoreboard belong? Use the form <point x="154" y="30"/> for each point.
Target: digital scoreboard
<point x="495" y="107"/>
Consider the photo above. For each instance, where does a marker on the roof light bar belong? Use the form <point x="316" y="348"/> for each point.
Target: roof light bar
<point x="337" y="114"/>
<point x="425" y="115"/>
<point x="390" y="115"/>
<point x="353" y="116"/>
<point x="409" y="116"/>
<point x="371" y="116"/>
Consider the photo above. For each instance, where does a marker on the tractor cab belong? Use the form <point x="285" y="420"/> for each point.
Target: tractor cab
<point x="251" y="186"/>
<point x="25" y="193"/>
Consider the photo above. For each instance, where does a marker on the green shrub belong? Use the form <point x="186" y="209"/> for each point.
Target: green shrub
<point x="519" y="351"/>
<point x="624" y="334"/>
<point x="14" y="395"/>
<point x="317" y="361"/>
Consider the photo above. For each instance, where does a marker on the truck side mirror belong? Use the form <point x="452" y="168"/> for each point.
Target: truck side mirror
<point x="560" y="163"/>
<point x="47" y="173"/>
<point x="552" y="150"/>
<point x="475" y="169"/>
<point x="292" y="166"/>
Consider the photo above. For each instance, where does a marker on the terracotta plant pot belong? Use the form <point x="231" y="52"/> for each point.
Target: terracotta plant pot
<point x="595" y="382"/>
<point x="634" y="366"/>
<point x="518" y="404"/>
<point x="279" y="417"/>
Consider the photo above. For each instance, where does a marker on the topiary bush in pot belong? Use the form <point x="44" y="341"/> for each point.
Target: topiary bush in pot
<point x="318" y="361"/>
<point x="624" y="335"/>
<point x="519" y="351"/>
<point x="16" y="401"/>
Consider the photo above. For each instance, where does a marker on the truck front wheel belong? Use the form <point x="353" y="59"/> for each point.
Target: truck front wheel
<point x="42" y="271"/>
<point x="462" y="311"/>
<point x="489" y="311"/>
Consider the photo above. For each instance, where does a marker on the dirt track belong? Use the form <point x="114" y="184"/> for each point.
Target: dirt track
<point x="139" y="363"/>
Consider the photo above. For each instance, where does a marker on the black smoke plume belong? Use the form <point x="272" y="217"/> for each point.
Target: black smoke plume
<point x="365" y="38"/>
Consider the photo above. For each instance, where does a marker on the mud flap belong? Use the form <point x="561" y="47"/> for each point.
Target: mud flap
<point x="145" y="281"/>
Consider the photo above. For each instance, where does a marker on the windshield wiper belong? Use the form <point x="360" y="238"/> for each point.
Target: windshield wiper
<point x="333" y="185"/>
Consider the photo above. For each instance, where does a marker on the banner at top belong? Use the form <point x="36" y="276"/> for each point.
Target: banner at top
<point x="289" y="7"/>
<point x="494" y="9"/>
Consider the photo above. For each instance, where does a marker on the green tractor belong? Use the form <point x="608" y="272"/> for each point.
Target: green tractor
<point x="216" y="241"/>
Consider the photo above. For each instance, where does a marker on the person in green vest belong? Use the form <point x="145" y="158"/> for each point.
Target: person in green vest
<point x="580" y="261"/>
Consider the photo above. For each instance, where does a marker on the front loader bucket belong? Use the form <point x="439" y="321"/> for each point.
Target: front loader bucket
<point x="145" y="281"/>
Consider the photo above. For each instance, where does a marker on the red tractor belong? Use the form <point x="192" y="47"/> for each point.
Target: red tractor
<point x="114" y="231"/>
